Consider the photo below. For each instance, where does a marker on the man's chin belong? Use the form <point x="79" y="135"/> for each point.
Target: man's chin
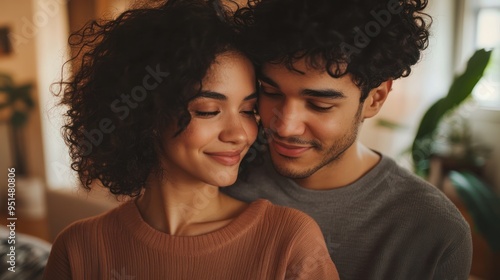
<point x="290" y="167"/>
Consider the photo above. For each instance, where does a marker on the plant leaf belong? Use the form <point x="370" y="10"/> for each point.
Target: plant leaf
<point x="460" y="89"/>
<point x="18" y="119"/>
<point x="482" y="204"/>
<point x="390" y="124"/>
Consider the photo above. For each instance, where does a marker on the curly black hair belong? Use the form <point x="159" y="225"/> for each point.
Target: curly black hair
<point x="136" y="75"/>
<point x="373" y="40"/>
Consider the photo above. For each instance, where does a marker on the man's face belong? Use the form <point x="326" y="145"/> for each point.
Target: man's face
<point x="311" y="119"/>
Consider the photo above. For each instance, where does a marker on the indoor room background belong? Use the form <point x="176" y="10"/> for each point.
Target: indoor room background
<point x="33" y="47"/>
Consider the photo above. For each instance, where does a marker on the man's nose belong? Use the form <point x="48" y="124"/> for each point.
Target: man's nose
<point x="287" y="120"/>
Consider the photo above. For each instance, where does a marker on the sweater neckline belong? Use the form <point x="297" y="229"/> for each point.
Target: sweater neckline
<point x="359" y="188"/>
<point x="131" y="218"/>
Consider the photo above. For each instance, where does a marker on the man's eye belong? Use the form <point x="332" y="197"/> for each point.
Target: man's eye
<point x="206" y="113"/>
<point x="270" y="94"/>
<point x="320" y="108"/>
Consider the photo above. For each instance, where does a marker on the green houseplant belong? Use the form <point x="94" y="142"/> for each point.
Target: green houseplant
<point x="480" y="201"/>
<point x="460" y="90"/>
<point x="15" y="105"/>
<point x="482" y="204"/>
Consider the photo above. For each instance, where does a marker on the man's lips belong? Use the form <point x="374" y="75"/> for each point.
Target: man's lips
<point x="288" y="150"/>
<point x="227" y="157"/>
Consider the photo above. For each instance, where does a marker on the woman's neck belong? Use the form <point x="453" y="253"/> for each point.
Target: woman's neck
<point x="186" y="209"/>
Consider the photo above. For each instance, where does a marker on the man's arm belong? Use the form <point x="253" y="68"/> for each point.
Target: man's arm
<point x="457" y="263"/>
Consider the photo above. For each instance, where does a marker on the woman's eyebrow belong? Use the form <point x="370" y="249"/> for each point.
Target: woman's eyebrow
<point x="212" y="95"/>
<point x="251" y="96"/>
<point x="220" y="96"/>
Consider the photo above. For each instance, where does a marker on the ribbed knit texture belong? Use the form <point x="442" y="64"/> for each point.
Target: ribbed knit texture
<point x="389" y="224"/>
<point x="264" y="242"/>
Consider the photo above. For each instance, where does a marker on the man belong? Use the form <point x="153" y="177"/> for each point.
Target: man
<point x="324" y="66"/>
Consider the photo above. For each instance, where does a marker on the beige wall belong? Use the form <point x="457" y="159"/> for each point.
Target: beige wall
<point x="430" y="80"/>
<point x="411" y="96"/>
<point x="22" y="66"/>
<point x="38" y="56"/>
<point x="485" y="125"/>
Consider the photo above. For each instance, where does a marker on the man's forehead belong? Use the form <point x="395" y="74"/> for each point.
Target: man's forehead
<point x="303" y="66"/>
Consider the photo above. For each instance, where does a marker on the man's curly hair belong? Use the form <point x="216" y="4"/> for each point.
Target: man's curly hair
<point x="373" y="40"/>
<point x="136" y="75"/>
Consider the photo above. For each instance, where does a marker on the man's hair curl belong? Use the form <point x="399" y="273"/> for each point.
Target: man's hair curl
<point x="340" y="37"/>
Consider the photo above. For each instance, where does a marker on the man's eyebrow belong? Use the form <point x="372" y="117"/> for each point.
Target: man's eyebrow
<point x="323" y="93"/>
<point x="268" y="80"/>
<point x="211" y="94"/>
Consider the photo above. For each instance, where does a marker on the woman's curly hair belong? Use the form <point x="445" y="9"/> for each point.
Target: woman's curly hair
<point x="373" y="40"/>
<point x="136" y="75"/>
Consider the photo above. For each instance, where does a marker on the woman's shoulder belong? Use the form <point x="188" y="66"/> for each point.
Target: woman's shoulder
<point x="104" y="222"/>
<point x="285" y="213"/>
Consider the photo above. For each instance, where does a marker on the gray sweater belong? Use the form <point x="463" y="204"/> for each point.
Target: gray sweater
<point x="389" y="224"/>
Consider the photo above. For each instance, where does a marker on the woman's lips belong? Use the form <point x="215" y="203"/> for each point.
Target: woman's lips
<point x="288" y="150"/>
<point x="227" y="158"/>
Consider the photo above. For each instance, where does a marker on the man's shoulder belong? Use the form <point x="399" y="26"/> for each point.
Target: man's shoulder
<point x="420" y="201"/>
<point x="260" y="181"/>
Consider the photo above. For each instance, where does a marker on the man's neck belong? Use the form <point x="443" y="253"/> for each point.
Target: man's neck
<point x="350" y="167"/>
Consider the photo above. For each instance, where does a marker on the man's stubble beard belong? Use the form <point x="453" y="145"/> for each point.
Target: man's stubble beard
<point x="332" y="154"/>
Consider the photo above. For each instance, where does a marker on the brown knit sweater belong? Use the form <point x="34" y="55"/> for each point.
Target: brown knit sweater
<point x="265" y="242"/>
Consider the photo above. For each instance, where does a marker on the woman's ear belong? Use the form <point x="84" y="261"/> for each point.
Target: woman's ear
<point x="376" y="98"/>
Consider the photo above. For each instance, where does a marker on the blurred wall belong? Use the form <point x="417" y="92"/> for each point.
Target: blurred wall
<point x="22" y="65"/>
<point x="41" y="30"/>
<point x="428" y="81"/>
<point x="39" y="34"/>
<point x="485" y="124"/>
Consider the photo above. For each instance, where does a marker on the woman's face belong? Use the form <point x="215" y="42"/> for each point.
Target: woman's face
<point x="222" y="127"/>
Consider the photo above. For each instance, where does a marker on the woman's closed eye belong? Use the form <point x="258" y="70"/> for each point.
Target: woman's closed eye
<point x="250" y="112"/>
<point x="206" y="113"/>
<point x="212" y="113"/>
<point x="249" y="108"/>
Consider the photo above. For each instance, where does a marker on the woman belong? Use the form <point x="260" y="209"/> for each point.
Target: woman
<point x="162" y="110"/>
